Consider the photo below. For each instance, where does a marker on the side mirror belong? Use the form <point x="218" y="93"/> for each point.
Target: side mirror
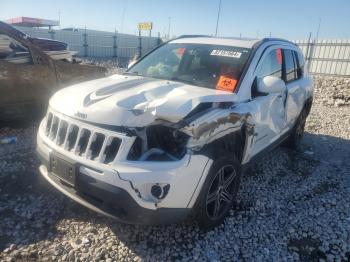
<point x="270" y="84"/>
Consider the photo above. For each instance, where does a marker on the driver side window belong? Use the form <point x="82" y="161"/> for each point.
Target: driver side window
<point x="272" y="64"/>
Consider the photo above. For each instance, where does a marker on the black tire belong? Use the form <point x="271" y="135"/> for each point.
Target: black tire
<point x="294" y="139"/>
<point x="218" y="193"/>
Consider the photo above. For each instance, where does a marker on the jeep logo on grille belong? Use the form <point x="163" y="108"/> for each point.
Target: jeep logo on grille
<point x="81" y="115"/>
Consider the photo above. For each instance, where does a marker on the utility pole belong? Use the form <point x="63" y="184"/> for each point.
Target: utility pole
<point x="217" y="20"/>
<point x="169" y="27"/>
<point x="59" y="19"/>
<point x="318" y="29"/>
<point x="122" y="21"/>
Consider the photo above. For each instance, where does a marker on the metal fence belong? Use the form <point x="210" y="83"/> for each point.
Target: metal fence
<point x="93" y="43"/>
<point x="329" y="57"/>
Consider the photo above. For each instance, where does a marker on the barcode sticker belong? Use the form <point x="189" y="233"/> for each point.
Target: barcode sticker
<point x="226" y="53"/>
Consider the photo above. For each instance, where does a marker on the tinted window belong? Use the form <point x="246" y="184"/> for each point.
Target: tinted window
<point x="290" y="72"/>
<point x="272" y="65"/>
<point x="210" y="66"/>
<point x="300" y="63"/>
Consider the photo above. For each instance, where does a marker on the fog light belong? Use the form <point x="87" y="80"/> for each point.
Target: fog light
<point x="160" y="192"/>
<point x="156" y="191"/>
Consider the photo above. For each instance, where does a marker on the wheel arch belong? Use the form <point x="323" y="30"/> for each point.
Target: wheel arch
<point x="233" y="143"/>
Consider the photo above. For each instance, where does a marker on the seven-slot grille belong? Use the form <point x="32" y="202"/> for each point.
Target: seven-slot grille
<point x="93" y="145"/>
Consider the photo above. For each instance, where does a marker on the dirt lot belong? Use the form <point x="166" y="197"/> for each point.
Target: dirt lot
<point x="293" y="205"/>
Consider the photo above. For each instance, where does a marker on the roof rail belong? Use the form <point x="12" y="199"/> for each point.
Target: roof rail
<point x="277" y="39"/>
<point x="190" y="36"/>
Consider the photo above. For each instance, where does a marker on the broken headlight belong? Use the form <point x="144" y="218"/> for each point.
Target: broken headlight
<point x="158" y="143"/>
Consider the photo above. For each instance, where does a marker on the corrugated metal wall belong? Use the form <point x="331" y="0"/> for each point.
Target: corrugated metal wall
<point x="96" y="43"/>
<point x="330" y="57"/>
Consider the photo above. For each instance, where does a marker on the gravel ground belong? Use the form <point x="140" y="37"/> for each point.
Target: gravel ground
<point x="293" y="205"/>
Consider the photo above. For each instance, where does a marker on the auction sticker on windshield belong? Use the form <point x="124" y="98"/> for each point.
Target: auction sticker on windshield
<point x="226" y="53"/>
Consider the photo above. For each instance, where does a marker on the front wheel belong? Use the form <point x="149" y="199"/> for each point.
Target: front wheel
<point x="218" y="193"/>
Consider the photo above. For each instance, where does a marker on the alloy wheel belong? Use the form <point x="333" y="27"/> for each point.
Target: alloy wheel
<point x="221" y="192"/>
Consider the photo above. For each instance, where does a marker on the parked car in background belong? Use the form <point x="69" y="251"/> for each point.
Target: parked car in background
<point x="29" y="75"/>
<point x="170" y="137"/>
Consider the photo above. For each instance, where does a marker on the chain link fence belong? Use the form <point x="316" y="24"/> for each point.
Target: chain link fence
<point x="328" y="57"/>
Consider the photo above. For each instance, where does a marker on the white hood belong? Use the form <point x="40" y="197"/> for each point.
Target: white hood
<point x="133" y="101"/>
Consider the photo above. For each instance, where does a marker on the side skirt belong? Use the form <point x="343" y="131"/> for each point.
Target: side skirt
<point x="263" y="152"/>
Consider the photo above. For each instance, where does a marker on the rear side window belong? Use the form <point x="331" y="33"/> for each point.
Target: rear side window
<point x="290" y="69"/>
<point x="272" y="65"/>
<point x="300" y="63"/>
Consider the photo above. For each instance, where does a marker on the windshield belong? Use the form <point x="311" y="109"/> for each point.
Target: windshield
<point x="210" y="66"/>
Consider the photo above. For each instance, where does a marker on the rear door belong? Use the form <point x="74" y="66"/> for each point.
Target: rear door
<point x="298" y="84"/>
<point x="294" y="82"/>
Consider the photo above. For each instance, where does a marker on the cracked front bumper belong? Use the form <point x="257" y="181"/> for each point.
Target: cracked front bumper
<point x="114" y="202"/>
<point x="121" y="191"/>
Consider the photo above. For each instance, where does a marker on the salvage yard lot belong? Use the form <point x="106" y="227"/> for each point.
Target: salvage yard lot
<point x="293" y="205"/>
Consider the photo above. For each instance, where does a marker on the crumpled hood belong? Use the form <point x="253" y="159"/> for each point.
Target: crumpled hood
<point x="133" y="101"/>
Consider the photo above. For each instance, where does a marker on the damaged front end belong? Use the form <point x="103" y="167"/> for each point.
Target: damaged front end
<point x="167" y="141"/>
<point x="168" y="149"/>
<point x="158" y="143"/>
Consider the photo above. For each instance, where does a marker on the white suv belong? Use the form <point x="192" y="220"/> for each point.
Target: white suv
<point x="170" y="137"/>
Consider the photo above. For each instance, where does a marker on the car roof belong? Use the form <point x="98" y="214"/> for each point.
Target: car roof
<point x="238" y="42"/>
<point x="228" y="41"/>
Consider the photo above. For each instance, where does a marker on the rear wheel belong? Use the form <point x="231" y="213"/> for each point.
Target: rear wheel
<point x="218" y="193"/>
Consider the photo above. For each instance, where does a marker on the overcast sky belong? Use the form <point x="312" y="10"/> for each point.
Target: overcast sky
<point x="251" y="18"/>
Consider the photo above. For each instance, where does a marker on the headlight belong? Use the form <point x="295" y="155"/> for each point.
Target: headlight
<point x="159" y="143"/>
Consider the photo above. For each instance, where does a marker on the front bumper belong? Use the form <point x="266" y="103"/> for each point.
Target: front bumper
<point x="121" y="191"/>
<point x="113" y="201"/>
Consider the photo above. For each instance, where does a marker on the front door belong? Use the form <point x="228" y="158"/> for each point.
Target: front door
<point x="268" y="110"/>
